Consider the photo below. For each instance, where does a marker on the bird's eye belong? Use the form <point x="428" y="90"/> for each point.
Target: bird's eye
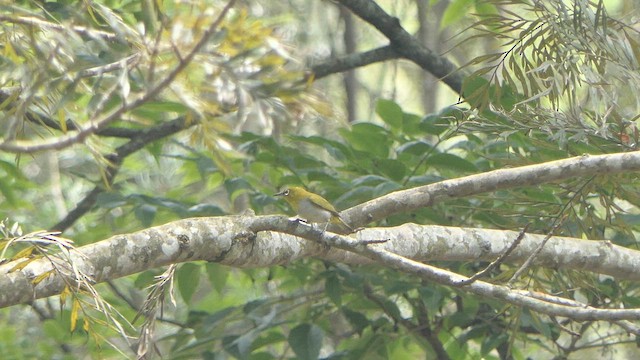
<point x="286" y="193"/>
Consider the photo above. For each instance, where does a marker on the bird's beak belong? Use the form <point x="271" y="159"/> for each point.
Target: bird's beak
<point x="281" y="193"/>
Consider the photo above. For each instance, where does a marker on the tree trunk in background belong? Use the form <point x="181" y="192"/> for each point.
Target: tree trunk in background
<point x="350" y="82"/>
<point x="430" y="35"/>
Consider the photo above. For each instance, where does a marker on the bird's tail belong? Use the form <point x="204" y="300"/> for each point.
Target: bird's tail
<point x="339" y="221"/>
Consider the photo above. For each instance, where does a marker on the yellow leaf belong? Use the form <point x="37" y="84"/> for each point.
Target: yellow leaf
<point x="10" y="100"/>
<point x="10" y="53"/>
<point x="63" y="295"/>
<point x="22" y="264"/>
<point x="311" y="77"/>
<point x="42" y="277"/>
<point x="25" y="253"/>
<point x="75" y="308"/>
<point x="62" y="121"/>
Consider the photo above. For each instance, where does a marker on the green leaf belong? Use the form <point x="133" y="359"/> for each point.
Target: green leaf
<point x="145" y="213"/>
<point x="390" y="112"/>
<point x="410" y="124"/>
<point x="631" y="301"/>
<point x="434" y="124"/>
<point x="531" y="319"/>
<point x="321" y="177"/>
<point x="205" y="165"/>
<point x="12" y="169"/>
<point x="452" y="115"/>
<point x="385" y="188"/>
<point x="357" y="320"/>
<point x="491" y="218"/>
<point x="238" y="346"/>
<point x="475" y="90"/>
<point x="456" y="10"/>
<point x="188" y="276"/>
<point x="368" y="138"/>
<point x="367" y="180"/>
<point x="253" y="305"/>
<point x="110" y="200"/>
<point x="333" y="289"/>
<point x="508" y="97"/>
<point x="454" y="348"/>
<point x="145" y="278"/>
<point x="155" y="109"/>
<point x="391" y="308"/>
<point x="162" y="202"/>
<point x="218" y="275"/>
<point x="541" y="195"/>
<point x="392" y="168"/>
<point x="306" y="341"/>
<point x="459" y="319"/>
<point x="270" y="338"/>
<point x="357" y="194"/>
<point x="450" y="161"/>
<point x="485" y="8"/>
<point x="493" y="341"/>
<point x="417" y="148"/>
<point x="336" y="149"/>
<point x="7" y="191"/>
<point x="236" y="187"/>
<point x="213" y="320"/>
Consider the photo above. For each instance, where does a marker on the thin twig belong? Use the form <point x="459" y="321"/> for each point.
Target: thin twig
<point x="533" y="255"/>
<point x="558" y="221"/>
<point x="130" y="60"/>
<point x="497" y="261"/>
<point x="373" y="241"/>
<point x="33" y="21"/>
<point x="628" y="326"/>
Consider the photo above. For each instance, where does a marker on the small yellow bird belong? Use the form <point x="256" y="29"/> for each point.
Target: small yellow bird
<point x="312" y="207"/>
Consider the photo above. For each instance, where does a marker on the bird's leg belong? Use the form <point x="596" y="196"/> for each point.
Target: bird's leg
<point x="298" y="220"/>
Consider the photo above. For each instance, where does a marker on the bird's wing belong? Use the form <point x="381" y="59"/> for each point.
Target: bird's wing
<point x="324" y="204"/>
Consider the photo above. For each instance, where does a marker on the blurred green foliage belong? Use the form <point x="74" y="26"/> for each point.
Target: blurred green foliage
<point x="254" y="129"/>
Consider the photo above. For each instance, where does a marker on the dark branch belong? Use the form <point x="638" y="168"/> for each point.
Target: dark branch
<point x="497" y="261"/>
<point x="353" y="61"/>
<point x="117" y="132"/>
<point x="41" y="119"/>
<point x="405" y="44"/>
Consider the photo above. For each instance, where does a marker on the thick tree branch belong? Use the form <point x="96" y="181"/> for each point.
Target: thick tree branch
<point x="601" y="257"/>
<point x="405" y="44"/>
<point x="428" y="195"/>
<point x="246" y="241"/>
<point x="579" y="312"/>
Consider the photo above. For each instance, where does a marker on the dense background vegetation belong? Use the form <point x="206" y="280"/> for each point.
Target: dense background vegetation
<point x="121" y="115"/>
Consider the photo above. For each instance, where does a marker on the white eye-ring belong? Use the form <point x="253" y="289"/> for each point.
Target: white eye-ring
<point x="286" y="192"/>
